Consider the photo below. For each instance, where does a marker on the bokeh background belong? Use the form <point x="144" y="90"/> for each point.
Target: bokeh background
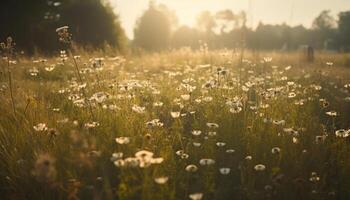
<point x="162" y="25"/>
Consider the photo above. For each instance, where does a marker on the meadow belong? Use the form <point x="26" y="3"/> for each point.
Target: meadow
<point x="183" y="124"/>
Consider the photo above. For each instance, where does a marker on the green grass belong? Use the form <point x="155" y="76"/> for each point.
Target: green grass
<point x="71" y="161"/>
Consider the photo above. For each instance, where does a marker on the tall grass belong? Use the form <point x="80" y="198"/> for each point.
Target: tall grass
<point x="202" y="125"/>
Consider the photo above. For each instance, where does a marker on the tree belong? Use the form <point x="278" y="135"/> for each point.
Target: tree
<point x="185" y="37"/>
<point x="226" y="20"/>
<point x="324" y="21"/>
<point x="153" y="29"/>
<point x="19" y="19"/>
<point x="171" y="14"/>
<point x="344" y="30"/>
<point x="323" y="28"/>
<point x="93" y="23"/>
<point x="32" y="23"/>
<point x="206" y="22"/>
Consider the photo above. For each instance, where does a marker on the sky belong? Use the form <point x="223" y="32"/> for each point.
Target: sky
<point x="293" y="12"/>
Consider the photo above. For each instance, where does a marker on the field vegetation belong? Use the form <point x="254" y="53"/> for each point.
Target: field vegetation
<point x="175" y="125"/>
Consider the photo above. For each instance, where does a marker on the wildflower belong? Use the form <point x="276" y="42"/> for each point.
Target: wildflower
<point x="75" y="123"/>
<point x="40" y="127"/>
<point x="267" y="59"/>
<point x="91" y="124"/>
<point x="212" y="125"/>
<point x="122" y="140"/>
<point x="230" y="151"/>
<point x="290" y="131"/>
<point x="99" y="97"/>
<point x="50" y="68"/>
<point x="61" y="28"/>
<point x="154" y="123"/>
<point x="184" y="156"/>
<point x="179" y="152"/>
<point x="175" y="114"/>
<point x="113" y="107"/>
<point x="248" y="158"/>
<point x="138" y="109"/>
<point x="161" y="180"/>
<point x="191" y="168"/>
<point x="143" y="154"/>
<point x="325" y="104"/>
<point x="235" y="109"/>
<point x="63" y="34"/>
<point x="157" y="160"/>
<point x="158" y="104"/>
<point x="259" y="167"/>
<point x="342" y="133"/>
<point x="288" y="68"/>
<point x="116" y="156"/>
<point x="314" y="177"/>
<point x="329" y="64"/>
<point x="245" y="89"/>
<point x="196" y="196"/>
<point x="220" y="144"/>
<point x="275" y="150"/>
<point x="196" y="132"/>
<point x="186" y="97"/>
<point x="206" y="161"/>
<point x="295" y="140"/>
<point x="224" y="171"/>
<point x="292" y="95"/>
<point x="33" y="72"/>
<point x="197" y="144"/>
<point x="145" y="158"/>
<point x="332" y="113"/>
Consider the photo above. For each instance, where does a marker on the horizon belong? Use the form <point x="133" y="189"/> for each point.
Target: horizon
<point x="292" y="12"/>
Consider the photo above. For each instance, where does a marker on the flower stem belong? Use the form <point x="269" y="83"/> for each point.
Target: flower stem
<point x="83" y="90"/>
<point x="10" y="86"/>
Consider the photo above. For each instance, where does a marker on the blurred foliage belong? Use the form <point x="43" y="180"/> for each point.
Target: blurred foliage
<point x="344" y="30"/>
<point x="93" y="23"/>
<point x="32" y="23"/>
<point x="226" y="29"/>
<point x="153" y="29"/>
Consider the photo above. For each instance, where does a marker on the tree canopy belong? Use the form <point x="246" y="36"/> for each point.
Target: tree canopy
<point x="153" y="29"/>
<point x="32" y="23"/>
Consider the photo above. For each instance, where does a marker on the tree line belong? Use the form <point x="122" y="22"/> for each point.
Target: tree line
<point x="155" y="30"/>
<point x="32" y="24"/>
<point x="93" y="24"/>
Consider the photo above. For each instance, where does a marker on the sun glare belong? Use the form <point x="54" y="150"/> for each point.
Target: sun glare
<point x="174" y="99"/>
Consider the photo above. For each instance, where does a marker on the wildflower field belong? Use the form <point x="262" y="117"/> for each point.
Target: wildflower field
<point x="177" y="125"/>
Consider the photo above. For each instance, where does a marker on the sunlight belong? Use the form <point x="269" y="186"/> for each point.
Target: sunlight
<point x="174" y="99"/>
<point x="268" y="11"/>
